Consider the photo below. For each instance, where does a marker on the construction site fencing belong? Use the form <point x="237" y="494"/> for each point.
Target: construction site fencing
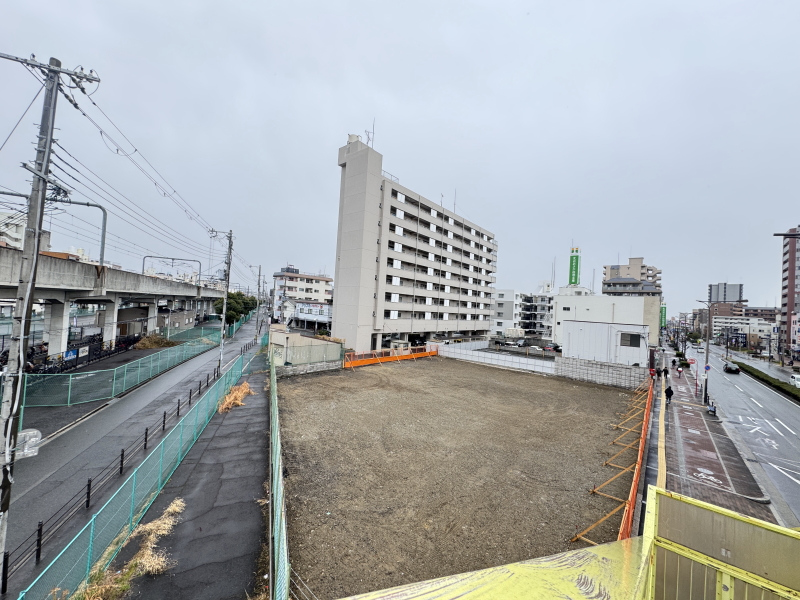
<point x="279" y="549"/>
<point x="613" y="374"/>
<point x="372" y="357"/>
<point x="66" y="389"/>
<point x="303" y="355"/>
<point x="96" y="545"/>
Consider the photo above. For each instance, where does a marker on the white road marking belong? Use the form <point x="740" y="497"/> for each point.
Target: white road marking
<point x="738" y="388"/>
<point x="756" y="428"/>
<point x="785" y="425"/>
<point x="725" y="377"/>
<point x="783" y="470"/>
<point x="752" y="419"/>
<point x="757" y="402"/>
<point x="775" y="428"/>
<point x="740" y="417"/>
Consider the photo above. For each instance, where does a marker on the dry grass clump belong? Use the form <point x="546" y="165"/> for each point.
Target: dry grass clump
<point x="328" y="338"/>
<point x="149" y="560"/>
<point x="153" y="341"/>
<point x="235" y="397"/>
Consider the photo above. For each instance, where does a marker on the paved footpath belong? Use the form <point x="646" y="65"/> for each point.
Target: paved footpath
<point x="216" y="545"/>
<point x="701" y="459"/>
<point x="44" y="483"/>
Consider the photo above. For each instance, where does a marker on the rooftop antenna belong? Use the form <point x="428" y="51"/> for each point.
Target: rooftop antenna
<point x="371" y="135"/>
<point x="441" y="201"/>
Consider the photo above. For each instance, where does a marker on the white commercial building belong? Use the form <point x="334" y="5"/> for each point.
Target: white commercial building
<point x="619" y="343"/>
<point x="579" y="304"/>
<point x="407" y="270"/>
<point x="507" y="312"/>
<point x="720" y="325"/>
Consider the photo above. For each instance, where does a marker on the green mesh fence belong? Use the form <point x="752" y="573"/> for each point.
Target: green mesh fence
<point x="232" y="329"/>
<point x="66" y="389"/>
<point x="280" y="550"/>
<point x="96" y="545"/>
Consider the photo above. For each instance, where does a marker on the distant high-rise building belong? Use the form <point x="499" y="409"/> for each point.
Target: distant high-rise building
<point x="725" y="292"/>
<point x="790" y="287"/>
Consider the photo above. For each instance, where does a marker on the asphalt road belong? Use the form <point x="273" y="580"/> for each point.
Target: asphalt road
<point x="767" y="423"/>
<point x="42" y="484"/>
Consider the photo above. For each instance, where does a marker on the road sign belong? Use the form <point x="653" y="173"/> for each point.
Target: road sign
<point x="692" y="361"/>
<point x="708" y="367"/>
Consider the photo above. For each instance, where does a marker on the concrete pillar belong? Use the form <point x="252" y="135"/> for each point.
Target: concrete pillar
<point x="110" y="321"/>
<point x="56" y="327"/>
<point x="152" y="317"/>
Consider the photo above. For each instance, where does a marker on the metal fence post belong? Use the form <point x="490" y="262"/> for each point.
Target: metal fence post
<point x="180" y="445"/>
<point x="114" y="384"/>
<point x="125" y="378"/>
<point x="4" y="584"/>
<point x="133" y="500"/>
<point x="69" y="391"/>
<point x="90" y="548"/>
<point x="196" y="410"/>
<point x="161" y="466"/>
<point x="39" y="542"/>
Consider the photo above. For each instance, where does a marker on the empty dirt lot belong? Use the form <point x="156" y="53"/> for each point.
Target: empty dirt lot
<point x="416" y="470"/>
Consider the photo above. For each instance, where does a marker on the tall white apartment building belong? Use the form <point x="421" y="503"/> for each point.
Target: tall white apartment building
<point x="507" y="311"/>
<point x="407" y="270"/>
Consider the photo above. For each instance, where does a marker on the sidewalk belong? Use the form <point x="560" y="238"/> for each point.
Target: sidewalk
<point x="701" y="460"/>
<point x="216" y="545"/>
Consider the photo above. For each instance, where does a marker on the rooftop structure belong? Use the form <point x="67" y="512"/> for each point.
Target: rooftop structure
<point x="633" y="279"/>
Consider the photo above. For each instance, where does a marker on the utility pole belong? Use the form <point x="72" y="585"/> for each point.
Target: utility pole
<point x="710" y="332"/>
<point x="258" y="303"/>
<point x="228" y="258"/>
<point x="21" y="325"/>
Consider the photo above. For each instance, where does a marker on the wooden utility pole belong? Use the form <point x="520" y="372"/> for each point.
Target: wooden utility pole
<point x="21" y="325"/>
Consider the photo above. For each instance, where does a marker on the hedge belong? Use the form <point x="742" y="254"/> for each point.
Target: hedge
<point x="781" y="386"/>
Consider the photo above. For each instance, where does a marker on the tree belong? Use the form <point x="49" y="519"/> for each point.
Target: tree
<point x="238" y="305"/>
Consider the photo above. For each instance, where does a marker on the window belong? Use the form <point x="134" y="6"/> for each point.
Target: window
<point x="393" y="314"/>
<point x="499" y="324"/>
<point x="631" y="340"/>
<point x="398" y="230"/>
<point x="395" y="298"/>
<point x="400" y="214"/>
<point x="499" y="314"/>
<point x="565" y="308"/>
<point x="395" y="281"/>
<point x="500" y="303"/>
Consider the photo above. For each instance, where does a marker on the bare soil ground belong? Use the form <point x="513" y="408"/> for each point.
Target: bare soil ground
<point x="415" y="470"/>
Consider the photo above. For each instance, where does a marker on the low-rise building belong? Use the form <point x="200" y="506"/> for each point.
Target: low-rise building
<point x="507" y="311"/>
<point x="767" y="313"/>
<point x="579" y="304"/>
<point x="537" y="312"/>
<point x="619" y="343"/>
<point x="306" y="315"/>
<point x="291" y="284"/>
<point x="633" y="279"/>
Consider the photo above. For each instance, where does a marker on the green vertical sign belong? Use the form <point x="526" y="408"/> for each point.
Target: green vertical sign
<point x="575" y="266"/>
<point x="663" y="315"/>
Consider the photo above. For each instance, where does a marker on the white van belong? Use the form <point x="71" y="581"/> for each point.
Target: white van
<point x="795" y="379"/>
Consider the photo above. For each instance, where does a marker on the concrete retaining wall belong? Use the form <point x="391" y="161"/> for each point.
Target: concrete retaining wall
<point x="330" y="365"/>
<point x="592" y="371"/>
<point x="471" y="351"/>
<point x="573" y="368"/>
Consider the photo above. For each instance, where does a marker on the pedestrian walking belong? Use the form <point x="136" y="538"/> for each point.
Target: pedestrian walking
<point x="674" y="363"/>
<point x="680" y="370"/>
<point x="666" y="372"/>
<point x="668" y="393"/>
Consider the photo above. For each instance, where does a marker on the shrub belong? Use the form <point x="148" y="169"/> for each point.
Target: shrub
<point x="683" y="363"/>
<point x="781" y="386"/>
<point x="679" y="354"/>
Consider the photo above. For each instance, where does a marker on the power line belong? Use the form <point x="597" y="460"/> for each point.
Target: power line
<point x="173" y="195"/>
<point x="22" y="117"/>
<point x="154" y="221"/>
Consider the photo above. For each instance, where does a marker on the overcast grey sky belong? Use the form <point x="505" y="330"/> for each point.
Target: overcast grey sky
<point x="662" y="129"/>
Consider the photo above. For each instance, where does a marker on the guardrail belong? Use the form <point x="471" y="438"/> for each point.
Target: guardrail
<point x="96" y="545"/>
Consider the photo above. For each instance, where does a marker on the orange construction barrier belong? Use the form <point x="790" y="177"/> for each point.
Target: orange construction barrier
<point x="630" y="505"/>
<point x="359" y="359"/>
